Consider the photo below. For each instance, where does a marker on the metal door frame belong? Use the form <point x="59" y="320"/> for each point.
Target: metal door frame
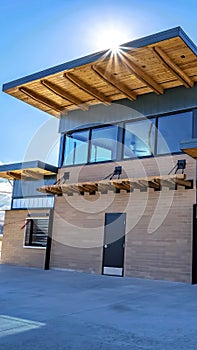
<point x="122" y="274"/>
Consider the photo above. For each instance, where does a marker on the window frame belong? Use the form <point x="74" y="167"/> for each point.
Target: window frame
<point x="30" y="246"/>
<point x="64" y="146"/>
<point x="121" y="137"/>
<point x="90" y="143"/>
<point x="168" y="115"/>
<point x="155" y="136"/>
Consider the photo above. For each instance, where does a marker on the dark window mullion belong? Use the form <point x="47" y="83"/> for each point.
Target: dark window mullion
<point x="194" y="124"/>
<point x="156" y="135"/>
<point x="31" y="232"/>
<point x="62" y="150"/>
<point x="123" y="140"/>
<point x="119" y="146"/>
<point x="89" y="145"/>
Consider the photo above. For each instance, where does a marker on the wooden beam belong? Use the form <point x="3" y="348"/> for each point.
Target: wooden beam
<point x="166" y="183"/>
<point x="90" y="187"/>
<point x="81" y="188"/>
<point x="87" y="88"/>
<point x="33" y="174"/>
<point x="127" y="184"/>
<point x="64" y="94"/>
<point x="136" y="184"/>
<point x="141" y="75"/>
<point x="66" y="189"/>
<point x="49" y="189"/>
<point x="17" y="176"/>
<point x="75" y="188"/>
<point x="121" y="185"/>
<point x="151" y="184"/>
<point x="185" y="183"/>
<point x="41" y="99"/>
<point x="104" y="186"/>
<point x="112" y="80"/>
<point x="14" y="175"/>
<point x="55" y="189"/>
<point x="43" y="189"/>
<point x="173" y="67"/>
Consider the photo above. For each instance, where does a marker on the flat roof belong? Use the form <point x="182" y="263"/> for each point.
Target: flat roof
<point x="27" y="170"/>
<point x="151" y="64"/>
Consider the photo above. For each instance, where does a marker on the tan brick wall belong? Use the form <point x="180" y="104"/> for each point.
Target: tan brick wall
<point x="13" y="238"/>
<point x="131" y="168"/>
<point x="165" y="253"/>
<point x="158" y="228"/>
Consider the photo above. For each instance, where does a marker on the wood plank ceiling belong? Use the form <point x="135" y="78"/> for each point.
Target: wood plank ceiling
<point x="26" y="174"/>
<point x="127" y="74"/>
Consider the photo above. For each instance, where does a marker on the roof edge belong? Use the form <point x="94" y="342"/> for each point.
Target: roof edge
<point x="148" y="40"/>
<point x="29" y="164"/>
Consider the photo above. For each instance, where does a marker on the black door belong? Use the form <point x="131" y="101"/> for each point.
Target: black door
<point x="194" y="257"/>
<point x="113" y="247"/>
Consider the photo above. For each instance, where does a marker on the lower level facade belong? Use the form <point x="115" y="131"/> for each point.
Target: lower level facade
<point x="147" y="231"/>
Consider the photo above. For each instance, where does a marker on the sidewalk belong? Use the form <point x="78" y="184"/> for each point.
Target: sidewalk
<point x="63" y="310"/>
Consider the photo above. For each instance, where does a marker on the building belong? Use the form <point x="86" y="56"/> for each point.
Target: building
<point x="123" y="199"/>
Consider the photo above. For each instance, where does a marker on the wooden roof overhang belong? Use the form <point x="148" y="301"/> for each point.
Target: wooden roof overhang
<point x="127" y="184"/>
<point x="34" y="170"/>
<point x="189" y="147"/>
<point x="152" y="64"/>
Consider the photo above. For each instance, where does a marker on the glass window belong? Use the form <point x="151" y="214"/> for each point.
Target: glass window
<point x="103" y="144"/>
<point x="36" y="232"/>
<point x="139" y="138"/>
<point x="76" y="148"/>
<point x="171" y="130"/>
<point x="34" y="202"/>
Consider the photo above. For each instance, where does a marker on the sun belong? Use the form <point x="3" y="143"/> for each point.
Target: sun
<point x="110" y="38"/>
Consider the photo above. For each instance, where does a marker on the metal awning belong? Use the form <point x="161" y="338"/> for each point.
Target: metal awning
<point x="152" y="64"/>
<point x="127" y="184"/>
<point x="27" y="170"/>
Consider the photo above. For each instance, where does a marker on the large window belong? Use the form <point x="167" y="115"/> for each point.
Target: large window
<point x="171" y="130"/>
<point x="142" y="138"/>
<point x="87" y="146"/>
<point x="76" y="151"/>
<point x="36" y="232"/>
<point x="139" y="140"/>
<point x="103" y="144"/>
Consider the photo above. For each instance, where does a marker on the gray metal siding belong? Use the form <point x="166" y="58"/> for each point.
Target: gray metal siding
<point x="23" y="189"/>
<point x="172" y="100"/>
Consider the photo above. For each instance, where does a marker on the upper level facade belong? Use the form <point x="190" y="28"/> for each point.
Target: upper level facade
<point x="139" y="102"/>
<point x="152" y="126"/>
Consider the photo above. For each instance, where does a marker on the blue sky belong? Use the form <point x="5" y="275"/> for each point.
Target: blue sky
<point x="37" y="34"/>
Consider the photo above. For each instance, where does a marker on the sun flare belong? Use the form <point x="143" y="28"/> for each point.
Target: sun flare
<point x="110" y="37"/>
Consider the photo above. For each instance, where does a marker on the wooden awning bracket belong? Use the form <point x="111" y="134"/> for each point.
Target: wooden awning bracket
<point x="128" y="185"/>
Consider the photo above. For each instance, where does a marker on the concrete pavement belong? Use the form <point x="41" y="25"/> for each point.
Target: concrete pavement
<point x="64" y="310"/>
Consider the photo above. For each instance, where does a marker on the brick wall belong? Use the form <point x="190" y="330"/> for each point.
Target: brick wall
<point x="158" y="227"/>
<point x="13" y="251"/>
